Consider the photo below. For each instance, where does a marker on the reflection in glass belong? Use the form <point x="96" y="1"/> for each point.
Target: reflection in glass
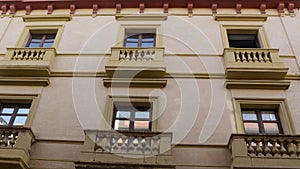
<point x="142" y="115"/>
<point x="20" y="120"/>
<point x="251" y="127"/>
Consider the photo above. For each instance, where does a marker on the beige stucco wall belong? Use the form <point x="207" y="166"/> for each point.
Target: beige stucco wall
<point x="196" y="108"/>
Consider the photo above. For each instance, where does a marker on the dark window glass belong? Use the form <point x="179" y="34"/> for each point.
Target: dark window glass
<point x="243" y="41"/>
<point x="14" y="114"/>
<point x="261" y="121"/>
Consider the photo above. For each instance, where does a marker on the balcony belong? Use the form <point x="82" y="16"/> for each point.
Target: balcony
<point x="27" y="62"/>
<point x="254" y="68"/>
<point x="15" y="144"/>
<point x="113" y="149"/>
<point x="265" y="151"/>
<point x="136" y="62"/>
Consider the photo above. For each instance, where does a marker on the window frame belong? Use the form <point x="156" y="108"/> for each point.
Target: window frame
<point x="241" y="29"/>
<point x="109" y="115"/>
<point x="14" y="114"/>
<point x="130" y="106"/>
<point x="261" y="122"/>
<point x="22" y="99"/>
<point x="139" y="39"/>
<point x="258" y="103"/>
<point x="152" y="27"/>
<point x="40" y="29"/>
<point x="42" y="40"/>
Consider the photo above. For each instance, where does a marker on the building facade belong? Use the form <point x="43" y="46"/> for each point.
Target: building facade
<point x="129" y="84"/>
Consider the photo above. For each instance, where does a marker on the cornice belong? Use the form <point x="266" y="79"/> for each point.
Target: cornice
<point x="95" y="5"/>
<point x="44" y="18"/>
<point x="240" y="17"/>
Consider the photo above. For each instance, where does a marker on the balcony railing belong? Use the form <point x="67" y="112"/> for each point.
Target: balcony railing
<point x="253" y="63"/>
<point x="27" y="62"/>
<point x="15" y="145"/>
<point x="138" y="148"/>
<point x="276" y="150"/>
<point x="136" y="62"/>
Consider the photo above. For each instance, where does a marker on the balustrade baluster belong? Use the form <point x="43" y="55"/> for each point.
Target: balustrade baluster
<point x="269" y="57"/>
<point x="237" y="58"/>
<point x="20" y="55"/>
<point x="139" y="146"/>
<point x="138" y="56"/>
<point x="115" y="145"/>
<point x="291" y="148"/>
<point x="242" y="57"/>
<point x="246" y="57"/>
<point x="259" y="149"/>
<point x="123" y="146"/>
<point x="148" y="55"/>
<point x="13" y="139"/>
<point x="275" y="150"/>
<point x="297" y="147"/>
<point x="127" y="57"/>
<point x="155" y="145"/>
<point x="282" y="148"/>
<point x="121" y="56"/>
<point x="131" y="144"/>
<point x="253" y="57"/>
<point x="251" y="150"/>
<point x="147" y="147"/>
<point x="5" y="139"/>
<point x="152" y="55"/>
<point x="267" y="149"/>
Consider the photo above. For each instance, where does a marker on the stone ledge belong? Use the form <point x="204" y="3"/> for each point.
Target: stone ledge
<point x="257" y="84"/>
<point x="119" y="82"/>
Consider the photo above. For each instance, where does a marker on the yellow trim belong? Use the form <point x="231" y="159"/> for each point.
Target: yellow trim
<point x="110" y="104"/>
<point x="19" y="98"/>
<point x="281" y="104"/>
<point x="46" y="18"/>
<point x="40" y="28"/>
<point x="141" y="17"/>
<point x="241" y="29"/>
<point x="240" y="17"/>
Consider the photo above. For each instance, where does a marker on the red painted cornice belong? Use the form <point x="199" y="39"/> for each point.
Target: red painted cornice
<point x="79" y="4"/>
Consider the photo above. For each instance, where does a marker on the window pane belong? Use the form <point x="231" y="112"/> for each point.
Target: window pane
<point x="50" y="37"/>
<point x="268" y="115"/>
<point x="23" y="111"/>
<point x="243" y="41"/>
<point x="142" y="114"/>
<point x="20" y="120"/>
<point x="249" y="115"/>
<point x="141" y="125"/>
<point x="121" y="125"/>
<point x="4" y="120"/>
<point x="123" y="114"/>
<point x="271" y="128"/>
<point x="147" y="44"/>
<point x="251" y="127"/>
<point x="34" y="45"/>
<point x="130" y="44"/>
<point x="46" y="45"/>
<point x="7" y="110"/>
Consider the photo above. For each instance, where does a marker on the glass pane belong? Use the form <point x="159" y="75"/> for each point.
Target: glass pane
<point x="151" y="44"/>
<point x="4" y="120"/>
<point x="268" y="115"/>
<point x="249" y="115"/>
<point x="251" y="127"/>
<point x="123" y="114"/>
<point x="142" y="114"/>
<point x="50" y="37"/>
<point x="20" y="120"/>
<point x="8" y="110"/>
<point x="121" y="125"/>
<point x="49" y="44"/>
<point x="243" y="41"/>
<point x="131" y="44"/>
<point x="271" y="128"/>
<point x="34" y="45"/>
<point x="23" y="111"/>
<point x="141" y="125"/>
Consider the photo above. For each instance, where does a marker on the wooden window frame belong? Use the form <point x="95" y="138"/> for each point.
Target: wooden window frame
<point x="139" y="39"/>
<point x="131" y="108"/>
<point x="260" y="121"/>
<point x="13" y="116"/>
<point x="43" y="39"/>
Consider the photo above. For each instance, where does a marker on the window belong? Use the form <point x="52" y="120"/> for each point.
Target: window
<point x="132" y="116"/>
<point x="267" y="116"/>
<point x="243" y="41"/>
<point x="41" y="40"/>
<point x="14" y="114"/>
<point x="140" y="40"/>
<point x="244" y="36"/>
<point x="261" y="121"/>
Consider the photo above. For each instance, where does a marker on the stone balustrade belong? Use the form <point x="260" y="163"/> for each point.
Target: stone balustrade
<point x="278" y="151"/>
<point x="15" y="145"/>
<point x="136" y="62"/>
<point x="132" y="142"/>
<point x="27" y="62"/>
<point x="253" y="63"/>
<point x="137" y="54"/>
